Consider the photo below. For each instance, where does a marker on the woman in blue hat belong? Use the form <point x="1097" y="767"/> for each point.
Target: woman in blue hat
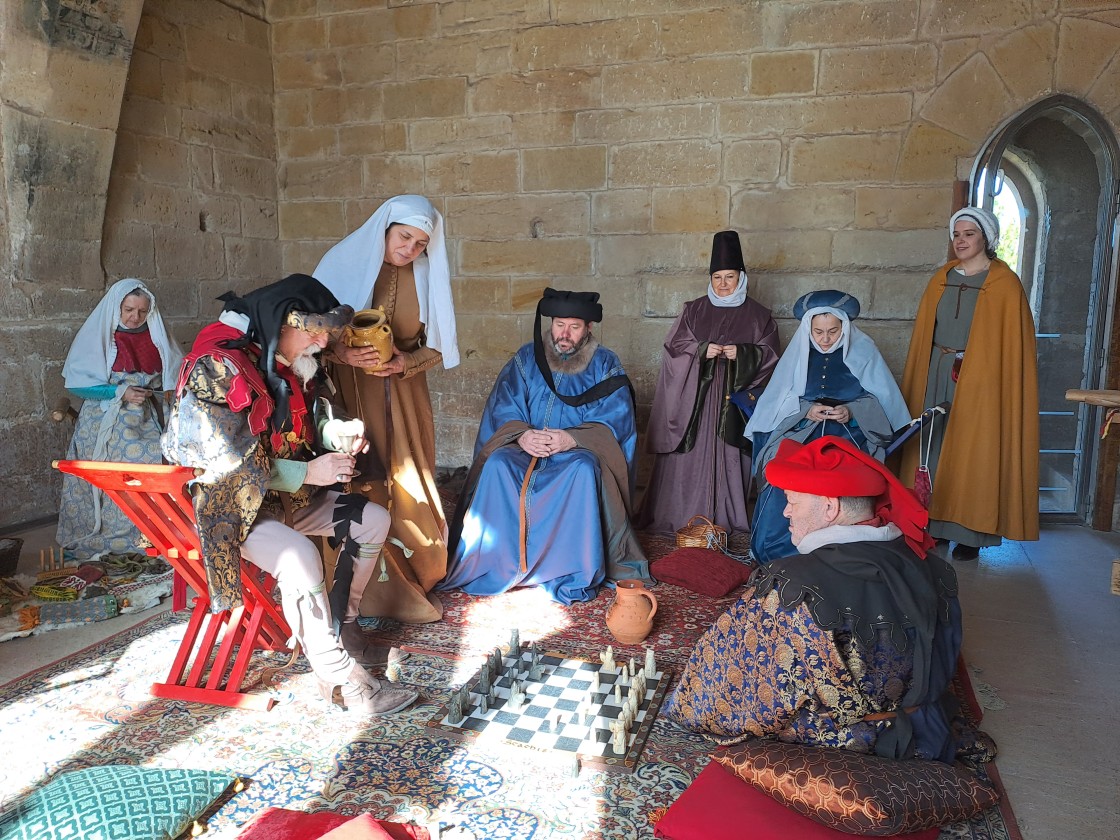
<point x="831" y="380"/>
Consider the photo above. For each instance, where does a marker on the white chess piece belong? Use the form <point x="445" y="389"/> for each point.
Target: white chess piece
<point x="618" y="692"/>
<point x="594" y="689"/>
<point x="651" y="663"/>
<point x="607" y="658"/>
<point x="620" y="737"/>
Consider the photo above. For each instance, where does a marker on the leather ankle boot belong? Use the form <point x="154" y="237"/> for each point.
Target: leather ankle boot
<point x="362" y="693"/>
<point x="364" y="650"/>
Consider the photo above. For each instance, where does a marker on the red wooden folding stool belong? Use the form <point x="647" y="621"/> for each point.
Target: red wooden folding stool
<point x="206" y="669"/>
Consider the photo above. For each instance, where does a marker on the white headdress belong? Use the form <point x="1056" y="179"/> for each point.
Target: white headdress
<point x="783" y="393"/>
<point x="986" y="220"/>
<point x="350" y="268"/>
<point x="91" y="356"/>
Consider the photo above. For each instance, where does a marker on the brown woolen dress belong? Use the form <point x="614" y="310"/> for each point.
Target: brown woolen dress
<point x="402" y="448"/>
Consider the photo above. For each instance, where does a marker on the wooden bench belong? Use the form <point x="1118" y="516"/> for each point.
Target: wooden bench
<point x="212" y="661"/>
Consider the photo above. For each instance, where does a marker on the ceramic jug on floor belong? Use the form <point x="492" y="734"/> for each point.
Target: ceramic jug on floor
<point x="630" y="614"/>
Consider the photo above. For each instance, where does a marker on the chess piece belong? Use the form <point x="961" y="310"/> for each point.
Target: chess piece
<point x="558" y="725"/>
<point x="594" y="689"/>
<point x="651" y="663"/>
<point x="484" y="679"/>
<point x="633" y="665"/>
<point x="515" y="642"/>
<point x="618" y="692"/>
<point x="620" y="737"/>
<point x="455" y="709"/>
<point x="630" y="615"/>
<point x="483" y="705"/>
<point x="607" y="658"/>
<point x="497" y="661"/>
<point x="625" y="676"/>
<point x="535" y="672"/>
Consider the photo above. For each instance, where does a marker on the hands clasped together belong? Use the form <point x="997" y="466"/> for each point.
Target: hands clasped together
<point x="728" y="351"/>
<point x="541" y="443"/>
<point x="839" y="413"/>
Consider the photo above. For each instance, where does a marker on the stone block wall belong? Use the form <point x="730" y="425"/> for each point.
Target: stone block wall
<point x="597" y="144"/>
<point x="192" y="200"/>
<point x="137" y="141"/>
<point x="588" y="144"/>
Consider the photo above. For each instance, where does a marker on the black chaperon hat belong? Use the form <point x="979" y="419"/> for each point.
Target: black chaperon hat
<point x="727" y="253"/>
<point x="298" y="300"/>
<point x="585" y="305"/>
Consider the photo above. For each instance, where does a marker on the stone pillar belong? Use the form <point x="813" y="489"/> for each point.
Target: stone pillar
<point x="61" y="84"/>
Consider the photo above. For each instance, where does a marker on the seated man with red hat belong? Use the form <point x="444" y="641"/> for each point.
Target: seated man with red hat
<point x="852" y="642"/>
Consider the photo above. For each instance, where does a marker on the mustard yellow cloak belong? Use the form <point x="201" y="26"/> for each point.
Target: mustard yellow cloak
<point x="987" y="477"/>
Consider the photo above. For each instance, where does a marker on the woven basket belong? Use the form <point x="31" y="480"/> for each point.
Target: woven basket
<point x="705" y="534"/>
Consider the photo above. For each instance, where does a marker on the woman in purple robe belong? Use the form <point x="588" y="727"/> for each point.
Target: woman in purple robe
<point x="718" y="358"/>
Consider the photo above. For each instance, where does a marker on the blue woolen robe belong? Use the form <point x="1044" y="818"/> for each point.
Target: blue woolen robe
<point x="574" y="539"/>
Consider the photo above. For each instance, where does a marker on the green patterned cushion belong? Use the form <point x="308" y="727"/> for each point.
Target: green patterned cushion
<point x="115" y="801"/>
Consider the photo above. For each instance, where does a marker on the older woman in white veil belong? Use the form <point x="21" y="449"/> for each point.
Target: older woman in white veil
<point x="831" y="380"/>
<point x="121" y="363"/>
<point x="398" y="260"/>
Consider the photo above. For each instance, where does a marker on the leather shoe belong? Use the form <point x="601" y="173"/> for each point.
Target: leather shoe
<point x="362" y="693"/>
<point x="965" y="552"/>
<point x="364" y="650"/>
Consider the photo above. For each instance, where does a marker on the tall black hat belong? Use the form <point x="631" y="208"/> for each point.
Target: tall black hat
<point x="295" y="300"/>
<point x="727" y="253"/>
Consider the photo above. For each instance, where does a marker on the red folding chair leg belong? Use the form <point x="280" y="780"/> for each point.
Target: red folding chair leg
<point x="214" y="657"/>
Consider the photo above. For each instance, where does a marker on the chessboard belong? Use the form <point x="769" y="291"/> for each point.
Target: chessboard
<point x="559" y="713"/>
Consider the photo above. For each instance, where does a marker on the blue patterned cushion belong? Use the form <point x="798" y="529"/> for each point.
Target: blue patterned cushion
<point x="115" y="801"/>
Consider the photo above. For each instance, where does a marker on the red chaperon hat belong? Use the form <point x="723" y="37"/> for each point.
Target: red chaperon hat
<point x="831" y="466"/>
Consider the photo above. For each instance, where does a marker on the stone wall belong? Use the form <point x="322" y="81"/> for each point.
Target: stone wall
<point x="137" y="141"/>
<point x="62" y="79"/>
<point x="192" y="198"/>
<point x="597" y="144"/>
<point x="209" y="144"/>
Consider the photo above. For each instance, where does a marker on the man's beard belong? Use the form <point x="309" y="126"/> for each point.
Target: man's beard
<point x="306" y="364"/>
<point x="567" y="354"/>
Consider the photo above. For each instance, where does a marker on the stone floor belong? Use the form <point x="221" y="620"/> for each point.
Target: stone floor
<point x="1042" y="633"/>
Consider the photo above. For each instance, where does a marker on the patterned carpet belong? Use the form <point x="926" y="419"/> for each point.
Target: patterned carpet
<point x="94" y="708"/>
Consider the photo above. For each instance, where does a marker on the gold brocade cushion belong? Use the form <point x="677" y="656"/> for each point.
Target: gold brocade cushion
<point x="860" y="794"/>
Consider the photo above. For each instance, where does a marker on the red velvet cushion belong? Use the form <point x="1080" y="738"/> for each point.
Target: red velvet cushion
<point x="720" y="806"/>
<point x="365" y="827"/>
<point x="860" y="794"/>
<point x="702" y="570"/>
<point x="284" y="824"/>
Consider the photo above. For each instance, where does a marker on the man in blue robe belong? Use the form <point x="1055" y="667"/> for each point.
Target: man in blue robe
<point x="547" y="500"/>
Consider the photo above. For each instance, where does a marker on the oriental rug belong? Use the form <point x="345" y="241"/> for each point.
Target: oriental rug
<point x="93" y="708"/>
